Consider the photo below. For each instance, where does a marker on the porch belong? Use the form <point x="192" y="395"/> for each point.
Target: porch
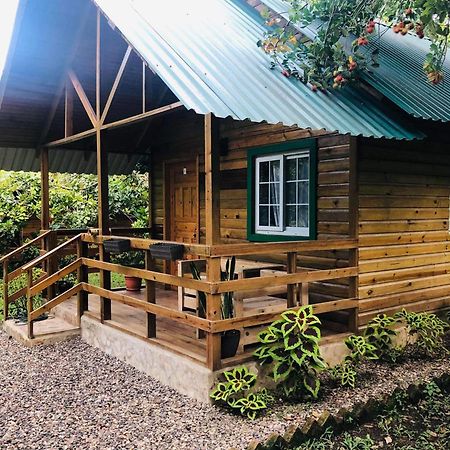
<point x="155" y="314"/>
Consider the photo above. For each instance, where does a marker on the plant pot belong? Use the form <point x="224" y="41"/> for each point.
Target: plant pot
<point x="133" y="283"/>
<point x="230" y="343"/>
<point x="117" y="245"/>
<point x="167" y="251"/>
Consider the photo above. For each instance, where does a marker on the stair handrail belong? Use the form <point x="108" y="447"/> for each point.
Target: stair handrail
<point x="51" y="253"/>
<point x="23" y="247"/>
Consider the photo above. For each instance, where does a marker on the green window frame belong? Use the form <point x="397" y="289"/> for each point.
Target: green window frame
<point x="276" y="229"/>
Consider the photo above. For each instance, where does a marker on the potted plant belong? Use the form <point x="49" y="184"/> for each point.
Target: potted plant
<point x="131" y="259"/>
<point x="230" y="338"/>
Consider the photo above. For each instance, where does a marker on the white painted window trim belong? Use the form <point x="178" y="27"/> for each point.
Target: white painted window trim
<point x="282" y="230"/>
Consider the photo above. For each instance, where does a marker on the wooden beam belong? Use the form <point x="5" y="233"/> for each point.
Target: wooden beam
<point x="71" y="139"/>
<point x="120" y="123"/>
<point x="116" y="84"/>
<point x="140" y="117"/>
<point x="83" y="97"/>
<point x="68" y="111"/>
<point x="45" y="190"/>
<point x="212" y="180"/>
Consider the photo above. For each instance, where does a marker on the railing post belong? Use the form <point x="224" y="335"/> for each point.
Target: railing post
<point x="150" y="296"/>
<point x="5" y="290"/>
<point x="213" y="312"/>
<point x="51" y="262"/>
<point x="30" y="303"/>
<point x="291" y="288"/>
<point x="82" y="277"/>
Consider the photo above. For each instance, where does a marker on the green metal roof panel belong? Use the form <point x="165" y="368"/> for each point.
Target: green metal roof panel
<point x="207" y="55"/>
<point x="399" y="77"/>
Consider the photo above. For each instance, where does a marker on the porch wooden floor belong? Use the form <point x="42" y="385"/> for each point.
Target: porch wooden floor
<point x="177" y="337"/>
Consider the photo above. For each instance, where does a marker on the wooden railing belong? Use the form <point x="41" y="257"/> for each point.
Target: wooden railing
<point x="212" y="325"/>
<point x="42" y="241"/>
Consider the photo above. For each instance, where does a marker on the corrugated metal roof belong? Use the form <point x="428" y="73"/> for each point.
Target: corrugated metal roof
<point x="206" y="53"/>
<point x="63" y="160"/>
<point x="400" y="76"/>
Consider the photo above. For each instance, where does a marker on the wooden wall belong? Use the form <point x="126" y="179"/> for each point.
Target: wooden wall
<point x="404" y="256"/>
<point x="333" y="184"/>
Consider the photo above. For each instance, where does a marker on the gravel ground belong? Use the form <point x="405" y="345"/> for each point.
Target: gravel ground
<point x="72" y="396"/>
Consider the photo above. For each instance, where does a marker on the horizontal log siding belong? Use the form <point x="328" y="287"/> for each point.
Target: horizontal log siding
<point x="333" y="185"/>
<point x="404" y="255"/>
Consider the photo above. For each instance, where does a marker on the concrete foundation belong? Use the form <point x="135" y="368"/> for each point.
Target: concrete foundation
<point x="169" y="368"/>
<point x="47" y="332"/>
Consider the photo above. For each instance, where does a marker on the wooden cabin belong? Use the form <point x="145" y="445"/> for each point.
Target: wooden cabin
<point x="339" y="199"/>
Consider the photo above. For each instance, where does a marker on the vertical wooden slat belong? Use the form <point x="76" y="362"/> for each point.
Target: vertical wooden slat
<point x="82" y="277"/>
<point x="212" y="180"/>
<point x="30" y="303"/>
<point x="213" y="312"/>
<point x="291" y="288"/>
<point x="150" y="296"/>
<point x="5" y="290"/>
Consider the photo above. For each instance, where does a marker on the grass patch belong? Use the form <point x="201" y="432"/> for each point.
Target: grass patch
<point x="117" y="280"/>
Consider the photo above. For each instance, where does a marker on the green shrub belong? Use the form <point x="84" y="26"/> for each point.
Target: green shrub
<point x="237" y="392"/>
<point x="360" y="350"/>
<point x="291" y="344"/>
<point x="426" y="330"/>
<point x="380" y="334"/>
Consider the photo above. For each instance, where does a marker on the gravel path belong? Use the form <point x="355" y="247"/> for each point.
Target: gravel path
<point x="72" y="396"/>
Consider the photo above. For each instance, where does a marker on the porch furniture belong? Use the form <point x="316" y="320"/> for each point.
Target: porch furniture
<point x="187" y="298"/>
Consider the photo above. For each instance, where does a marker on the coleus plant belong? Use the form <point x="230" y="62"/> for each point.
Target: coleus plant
<point x="291" y="345"/>
<point x="237" y="392"/>
<point x="380" y="334"/>
<point x="328" y="62"/>
<point x="360" y="350"/>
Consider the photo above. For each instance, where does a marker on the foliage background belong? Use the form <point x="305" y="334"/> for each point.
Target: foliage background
<point x="73" y="201"/>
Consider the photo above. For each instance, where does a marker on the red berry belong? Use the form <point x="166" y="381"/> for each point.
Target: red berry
<point x="286" y="73"/>
<point x="314" y="88"/>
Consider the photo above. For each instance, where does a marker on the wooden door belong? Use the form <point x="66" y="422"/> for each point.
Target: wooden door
<point x="183" y="217"/>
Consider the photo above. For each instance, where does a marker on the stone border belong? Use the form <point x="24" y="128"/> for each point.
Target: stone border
<point x="361" y="412"/>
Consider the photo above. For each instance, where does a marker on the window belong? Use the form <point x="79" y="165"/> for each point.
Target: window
<point x="282" y="192"/>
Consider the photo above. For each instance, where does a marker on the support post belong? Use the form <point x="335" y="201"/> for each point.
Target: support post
<point x="5" y="290"/>
<point x="45" y="190"/>
<point x="291" y="288"/>
<point x="212" y="180"/>
<point x="102" y="176"/>
<point x="213" y="312"/>
<point x="30" y="303"/>
<point x="212" y="211"/>
<point x="82" y="277"/>
<point x="150" y="296"/>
